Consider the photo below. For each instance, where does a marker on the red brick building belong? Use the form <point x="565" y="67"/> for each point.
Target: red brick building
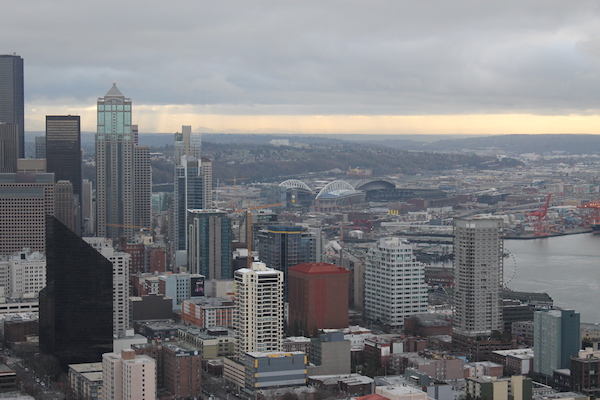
<point x="318" y="297"/>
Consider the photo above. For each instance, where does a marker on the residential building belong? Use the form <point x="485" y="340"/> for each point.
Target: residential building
<point x="208" y="312"/>
<point x="128" y="376"/>
<point x="25" y="274"/>
<point x="394" y="283"/>
<point x="555" y="340"/>
<point x="584" y="372"/>
<point x="182" y="370"/>
<point x="478" y="257"/>
<point x="12" y="96"/>
<point x="86" y="380"/>
<point x="193" y="183"/>
<point x="511" y="388"/>
<point x="210" y="244"/>
<point x="318" y="297"/>
<point x="121" y="264"/>
<point x="258" y="320"/>
<point x="63" y="155"/>
<point x="25" y="200"/>
<point x="76" y="306"/>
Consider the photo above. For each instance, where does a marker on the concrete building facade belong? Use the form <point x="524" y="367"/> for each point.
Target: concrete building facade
<point x="478" y="268"/>
<point x="555" y="340"/>
<point x="318" y="297"/>
<point x="394" y="283"/>
<point x="258" y="320"/>
<point x="128" y="376"/>
<point x="25" y="200"/>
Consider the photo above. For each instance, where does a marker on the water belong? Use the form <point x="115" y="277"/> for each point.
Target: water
<point x="565" y="267"/>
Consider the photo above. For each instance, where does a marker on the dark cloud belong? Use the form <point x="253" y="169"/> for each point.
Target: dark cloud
<point x="315" y="57"/>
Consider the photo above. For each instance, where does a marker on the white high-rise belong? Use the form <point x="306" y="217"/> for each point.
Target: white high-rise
<point x="259" y="304"/>
<point x="394" y="283"/>
<point x="121" y="266"/>
<point x="128" y="376"/>
<point x="478" y="267"/>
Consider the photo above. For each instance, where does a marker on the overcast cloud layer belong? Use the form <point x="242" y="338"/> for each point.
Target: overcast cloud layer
<point x="313" y="57"/>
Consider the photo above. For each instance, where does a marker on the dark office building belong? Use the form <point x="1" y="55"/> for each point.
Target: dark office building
<point x="12" y="99"/>
<point x="76" y="306"/>
<point x="282" y="247"/>
<point x="63" y="151"/>
<point x="9" y="146"/>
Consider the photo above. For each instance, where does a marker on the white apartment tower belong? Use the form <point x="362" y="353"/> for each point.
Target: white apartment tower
<point x="258" y="320"/>
<point x="121" y="266"/>
<point x="478" y="268"/>
<point x="128" y="376"/>
<point x="394" y="282"/>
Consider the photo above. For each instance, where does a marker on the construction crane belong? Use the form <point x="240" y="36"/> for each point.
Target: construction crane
<point x="539" y="219"/>
<point x="234" y="180"/>
<point x="249" y="226"/>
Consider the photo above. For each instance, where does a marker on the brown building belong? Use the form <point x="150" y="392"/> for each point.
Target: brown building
<point x="426" y="325"/>
<point x="318" y="297"/>
<point x="182" y="370"/>
<point x="16" y="329"/>
<point x="137" y="251"/>
<point x="154" y="350"/>
<point x="157" y="257"/>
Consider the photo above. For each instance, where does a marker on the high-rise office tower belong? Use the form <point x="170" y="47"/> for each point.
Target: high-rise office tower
<point x="282" y="247"/>
<point x="193" y="183"/>
<point x="478" y="256"/>
<point x="188" y="144"/>
<point x="117" y="181"/>
<point x="394" y="282"/>
<point x="63" y="153"/>
<point x="258" y="320"/>
<point x="318" y="297"/>
<point x="76" y="306"/>
<point x="210" y="244"/>
<point x="556" y="339"/>
<point x="12" y="98"/>
<point x="142" y="186"/>
<point x="40" y="147"/>
<point x="66" y="207"/>
<point x="87" y="208"/>
<point x="25" y="200"/>
<point x="9" y="143"/>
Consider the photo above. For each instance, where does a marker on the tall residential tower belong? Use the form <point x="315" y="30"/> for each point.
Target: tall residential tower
<point x="478" y="255"/>
<point x="258" y="321"/>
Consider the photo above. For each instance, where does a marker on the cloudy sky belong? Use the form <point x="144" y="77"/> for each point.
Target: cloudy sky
<point x="367" y="66"/>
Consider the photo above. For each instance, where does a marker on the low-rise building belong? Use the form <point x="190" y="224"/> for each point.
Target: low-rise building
<point x="86" y="380"/>
<point x="514" y="388"/>
<point x="515" y="361"/>
<point x="208" y="312"/>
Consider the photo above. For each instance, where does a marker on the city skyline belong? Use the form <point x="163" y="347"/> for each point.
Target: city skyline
<point x="387" y="67"/>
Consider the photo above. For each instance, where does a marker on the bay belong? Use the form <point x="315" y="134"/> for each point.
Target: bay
<point x="565" y="267"/>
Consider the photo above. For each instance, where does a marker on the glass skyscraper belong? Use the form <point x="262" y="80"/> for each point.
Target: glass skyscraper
<point x="63" y="154"/>
<point x="76" y="306"/>
<point x="12" y="99"/>
<point x="123" y="187"/>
